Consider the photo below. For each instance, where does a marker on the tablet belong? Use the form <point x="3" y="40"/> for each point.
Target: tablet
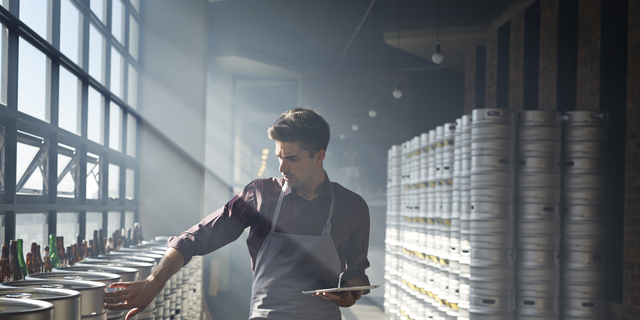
<point x="342" y="289"/>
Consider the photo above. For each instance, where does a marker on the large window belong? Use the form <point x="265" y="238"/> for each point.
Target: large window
<point x="68" y="140"/>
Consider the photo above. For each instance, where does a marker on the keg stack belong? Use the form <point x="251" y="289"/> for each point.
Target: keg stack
<point x="492" y="214"/>
<point x="431" y="309"/>
<point x="392" y="239"/>
<point x="584" y="225"/>
<point x="538" y="215"/>
<point x="464" y="144"/>
<point x="450" y="272"/>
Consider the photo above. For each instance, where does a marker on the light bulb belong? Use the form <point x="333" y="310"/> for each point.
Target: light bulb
<point x="397" y="93"/>
<point x="373" y="113"/>
<point x="437" y="57"/>
<point x="355" y="127"/>
<point x="342" y="136"/>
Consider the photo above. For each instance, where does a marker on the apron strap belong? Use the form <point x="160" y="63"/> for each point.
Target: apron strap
<point x="326" y="229"/>
<point x="277" y="212"/>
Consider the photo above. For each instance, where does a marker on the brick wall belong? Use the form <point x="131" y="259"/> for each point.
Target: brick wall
<point x="548" y="73"/>
<point x="631" y="294"/>
<point x="470" y="81"/>
<point x="491" y="97"/>
<point x="516" y="61"/>
<point x="589" y="24"/>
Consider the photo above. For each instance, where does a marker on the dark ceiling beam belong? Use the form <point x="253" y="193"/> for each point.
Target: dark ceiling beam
<point x="355" y="34"/>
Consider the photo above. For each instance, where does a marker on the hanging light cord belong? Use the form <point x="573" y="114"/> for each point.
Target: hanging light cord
<point x="438" y="22"/>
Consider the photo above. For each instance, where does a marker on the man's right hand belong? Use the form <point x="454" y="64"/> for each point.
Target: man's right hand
<point x="135" y="295"/>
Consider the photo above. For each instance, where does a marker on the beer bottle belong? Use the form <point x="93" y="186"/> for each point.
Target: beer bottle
<point x="85" y="251"/>
<point x="79" y="248"/>
<point x="96" y="244"/>
<point x="53" y="252"/>
<point x="101" y="242"/>
<point x="69" y="256"/>
<point x="30" y="268"/>
<point x="61" y="255"/>
<point x="34" y="259"/>
<point x="15" y="264"/>
<point x="40" y="262"/>
<point x="23" y="265"/>
<point x="47" y="260"/>
<point x="5" y="265"/>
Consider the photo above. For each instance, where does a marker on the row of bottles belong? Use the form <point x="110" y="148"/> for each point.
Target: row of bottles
<point x="13" y="266"/>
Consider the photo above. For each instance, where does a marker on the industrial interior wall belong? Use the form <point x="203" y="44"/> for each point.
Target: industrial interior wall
<point x="631" y="294"/>
<point x="173" y="108"/>
<point x="570" y="58"/>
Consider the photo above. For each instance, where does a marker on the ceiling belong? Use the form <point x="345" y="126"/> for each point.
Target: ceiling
<point x="304" y="33"/>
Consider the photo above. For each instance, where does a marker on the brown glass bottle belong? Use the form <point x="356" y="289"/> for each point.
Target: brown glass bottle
<point x="79" y="248"/>
<point x="40" y="262"/>
<point x="61" y="254"/>
<point x="47" y="261"/>
<point x="85" y="251"/>
<point x="69" y="255"/>
<point x="5" y="265"/>
<point x="30" y="268"/>
<point x="34" y="259"/>
<point x="96" y="244"/>
<point x="15" y="265"/>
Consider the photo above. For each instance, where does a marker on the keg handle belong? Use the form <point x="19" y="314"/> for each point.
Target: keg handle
<point x="528" y="302"/>
<point x="489" y="301"/>
<point x="570" y="163"/>
<point x="53" y="286"/>
<point x="589" y="304"/>
<point x="494" y="113"/>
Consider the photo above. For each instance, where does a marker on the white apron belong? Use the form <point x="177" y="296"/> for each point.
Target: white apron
<point x="288" y="264"/>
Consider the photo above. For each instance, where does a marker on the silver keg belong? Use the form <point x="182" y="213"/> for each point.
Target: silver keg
<point x="538" y="222"/>
<point x="92" y="293"/>
<point x="584" y="269"/>
<point x="66" y="303"/>
<point x="18" y="309"/>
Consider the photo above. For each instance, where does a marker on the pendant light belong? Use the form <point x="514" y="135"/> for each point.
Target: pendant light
<point x="437" y="57"/>
<point x="397" y="93"/>
<point x="372" y="112"/>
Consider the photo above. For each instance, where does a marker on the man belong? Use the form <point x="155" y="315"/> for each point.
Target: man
<point x="306" y="233"/>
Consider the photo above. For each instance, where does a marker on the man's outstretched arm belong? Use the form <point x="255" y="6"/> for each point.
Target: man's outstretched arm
<point x="137" y="295"/>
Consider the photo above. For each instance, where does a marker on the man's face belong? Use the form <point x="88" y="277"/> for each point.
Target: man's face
<point x="295" y="164"/>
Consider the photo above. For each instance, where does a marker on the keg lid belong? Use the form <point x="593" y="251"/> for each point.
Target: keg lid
<point x="55" y="284"/>
<point x="127" y="274"/>
<point x="534" y="118"/>
<point x="492" y="115"/>
<point x="79" y="275"/>
<point x="20" y="307"/>
<point x="38" y="293"/>
<point x="584" y="118"/>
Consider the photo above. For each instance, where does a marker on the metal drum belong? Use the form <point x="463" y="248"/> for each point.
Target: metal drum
<point x="144" y="269"/>
<point x="17" y="309"/>
<point x="65" y="302"/>
<point x="584" y="119"/>
<point x="127" y="274"/>
<point x="93" y="293"/>
<point x="105" y="278"/>
<point x="528" y="149"/>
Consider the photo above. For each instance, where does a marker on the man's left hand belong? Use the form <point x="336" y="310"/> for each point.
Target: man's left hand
<point x="344" y="299"/>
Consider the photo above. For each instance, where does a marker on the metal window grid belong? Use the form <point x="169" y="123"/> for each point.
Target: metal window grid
<point x="12" y="121"/>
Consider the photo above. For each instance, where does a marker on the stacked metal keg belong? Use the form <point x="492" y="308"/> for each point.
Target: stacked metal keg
<point x="392" y="240"/>
<point x="492" y="214"/>
<point x="538" y="215"/>
<point x="584" y="225"/>
<point x="464" y="178"/>
<point x="431" y="309"/>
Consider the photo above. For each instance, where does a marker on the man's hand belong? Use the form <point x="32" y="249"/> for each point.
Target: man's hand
<point x="136" y="295"/>
<point x="344" y="299"/>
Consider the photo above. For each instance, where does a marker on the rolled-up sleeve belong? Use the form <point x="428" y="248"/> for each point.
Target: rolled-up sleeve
<point x="357" y="247"/>
<point x="219" y="228"/>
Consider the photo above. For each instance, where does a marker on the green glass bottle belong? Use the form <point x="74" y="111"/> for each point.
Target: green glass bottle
<point x="23" y="265"/>
<point x="53" y="251"/>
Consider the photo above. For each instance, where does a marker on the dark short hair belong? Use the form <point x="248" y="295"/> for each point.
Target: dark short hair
<point x="304" y="125"/>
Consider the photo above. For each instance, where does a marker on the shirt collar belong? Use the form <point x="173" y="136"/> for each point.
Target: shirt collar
<point x="326" y="188"/>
